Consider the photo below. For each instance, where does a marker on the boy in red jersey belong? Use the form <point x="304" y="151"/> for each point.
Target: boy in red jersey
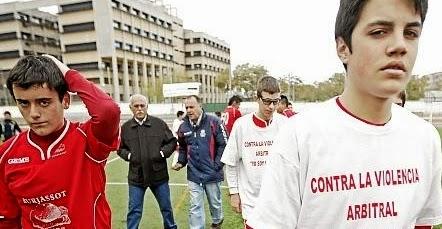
<point x="52" y="176"/>
<point x="232" y="113"/>
<point x="283" y="107"/>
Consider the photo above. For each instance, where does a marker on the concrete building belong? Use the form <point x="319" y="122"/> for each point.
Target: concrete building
<point x="206" y="58"/>
<point x="126" y="46"/>
<point x="25" y="33"/>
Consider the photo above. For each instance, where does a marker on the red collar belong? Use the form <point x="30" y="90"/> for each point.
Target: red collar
<point x="259" y="122"/>
<point x="354" y="116"/>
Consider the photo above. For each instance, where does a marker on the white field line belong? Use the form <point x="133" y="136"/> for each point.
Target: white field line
<point x="170" y="184"/>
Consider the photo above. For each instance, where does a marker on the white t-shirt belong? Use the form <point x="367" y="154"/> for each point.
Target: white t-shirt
<point x="175" y="126"/>
<point x="247" y="151"/>
<point x="330" y="170"/>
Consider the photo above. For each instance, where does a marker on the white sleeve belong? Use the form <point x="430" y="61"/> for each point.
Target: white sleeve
<point x="175" y="126"/>
<point x="431" y="213"/>
<point x="232" y="174"/>
<point x="279" y="200"/>
<point x="231" y="154"/>
<point x="231" y="157"/>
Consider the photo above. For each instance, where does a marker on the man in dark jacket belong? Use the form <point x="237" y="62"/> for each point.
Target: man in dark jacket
<point x="9" y="127"/>
<point x="146" y="143"/>
<point x="202" y="139"/>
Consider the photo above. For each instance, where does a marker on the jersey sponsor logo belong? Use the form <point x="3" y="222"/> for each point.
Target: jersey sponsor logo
<point x="48" y="215"/>
<point x="203" y="133"/>
<point x="45" y="198"/>
<point x="20" y="160"/>
<point x="187" y="133"/>
<point x="61" y="149"/>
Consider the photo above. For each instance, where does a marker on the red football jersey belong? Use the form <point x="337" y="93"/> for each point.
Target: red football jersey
<point x="61" y="184"/>
<point x="231" y="114"/>
<point x="288" y="113"/>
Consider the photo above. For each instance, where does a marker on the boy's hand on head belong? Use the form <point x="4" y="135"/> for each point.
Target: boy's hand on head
<point x="63" y="68"/>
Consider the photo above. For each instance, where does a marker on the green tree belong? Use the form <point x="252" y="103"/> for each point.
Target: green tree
<point x="288" y="85"/>
<point x="416" y="87"/>
<point x="157" y="94"/>
<point x="246" y="76"/>
<point x="305" y="92"/>
<point x="332" y="87"/>
<point x="222" y="80"/>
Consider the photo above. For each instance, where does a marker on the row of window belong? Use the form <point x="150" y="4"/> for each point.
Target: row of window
<point x="203" y="66"/>
<point x="198" y="40"/>
<point x="7" y="17"/>
<point x="84" y="66"/>
<point x="209" y="81"/>
<point x="8" y="36"/>
<point x="39" y="39"/>
<point x="80" y="27"/>
<point x="16" y="54"/>
<point x="130" y="68"/>
<point x="76" y="7"/>
<point x="140" y="32"/>
<point x="81" y="47"/>
<point x="145" y="51"/>
<point x="141" y="14"/>
<point x="37" y="21"/>
<point x="207" y="54"/>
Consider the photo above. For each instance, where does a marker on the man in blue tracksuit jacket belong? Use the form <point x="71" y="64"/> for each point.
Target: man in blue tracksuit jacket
<point x="202" y="138"/>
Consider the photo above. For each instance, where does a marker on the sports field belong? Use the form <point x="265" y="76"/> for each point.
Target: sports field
<point x="116" y="171"/>
<point x="117" y="194"/>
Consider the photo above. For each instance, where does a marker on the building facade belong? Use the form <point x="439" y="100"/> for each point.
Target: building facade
<point x="125" y="46"/>
<point x="25" y="33"/>
<point x="206" y="58"/>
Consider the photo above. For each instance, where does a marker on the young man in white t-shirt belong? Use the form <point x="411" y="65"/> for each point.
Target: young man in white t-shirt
<point x="246" y="152"/>
<point x="357" y="160"/>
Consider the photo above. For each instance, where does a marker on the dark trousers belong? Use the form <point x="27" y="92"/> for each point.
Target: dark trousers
<point x="136" y="199"/>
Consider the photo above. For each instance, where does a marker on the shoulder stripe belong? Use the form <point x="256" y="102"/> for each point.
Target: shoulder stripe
<point x="93" y="159"/>
<point x="9" y="148"/>
<point x="79" y="129"/>
<point x="95" y="209"/>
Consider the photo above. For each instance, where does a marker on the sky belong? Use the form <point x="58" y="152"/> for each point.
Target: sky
<point x="291" y="36"/>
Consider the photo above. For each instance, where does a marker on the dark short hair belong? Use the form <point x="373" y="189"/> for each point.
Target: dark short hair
<point x="6" y="113"/>
<point x="37" y="71"/>
<point x="268" y="84"/>
<point x="350" y="11"/>
<point x="179" y="113"/>
<point x="284" y="100"/>
<point x="235" y="98"/>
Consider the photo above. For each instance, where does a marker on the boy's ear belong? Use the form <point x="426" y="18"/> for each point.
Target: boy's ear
<point x="66" y="101"/>
<point x="342" y="50"/>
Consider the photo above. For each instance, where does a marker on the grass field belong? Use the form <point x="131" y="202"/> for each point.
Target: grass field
<point x="117" y="194"/>
<point x="116" y="171"/>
